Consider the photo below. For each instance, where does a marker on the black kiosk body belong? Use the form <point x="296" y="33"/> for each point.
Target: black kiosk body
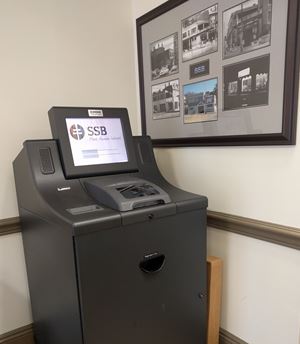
<point x="114" y="253"/>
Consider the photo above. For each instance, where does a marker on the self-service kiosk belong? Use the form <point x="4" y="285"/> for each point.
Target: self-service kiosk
<point x="114" y="253"/>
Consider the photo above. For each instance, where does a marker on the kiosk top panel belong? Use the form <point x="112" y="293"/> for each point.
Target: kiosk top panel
<point x="93" y="141"/>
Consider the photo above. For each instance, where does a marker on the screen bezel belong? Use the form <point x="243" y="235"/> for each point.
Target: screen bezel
<point x="57" y="118"/>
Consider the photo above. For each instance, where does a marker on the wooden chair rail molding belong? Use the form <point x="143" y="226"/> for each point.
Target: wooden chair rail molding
<point x="277" y="234"/>
<point x="10" y="226"/>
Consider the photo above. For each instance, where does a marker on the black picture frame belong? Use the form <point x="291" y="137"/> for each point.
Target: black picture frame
<point x="287" y="136"/>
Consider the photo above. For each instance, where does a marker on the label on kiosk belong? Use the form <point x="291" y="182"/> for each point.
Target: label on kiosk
<point x="102" y="148"/>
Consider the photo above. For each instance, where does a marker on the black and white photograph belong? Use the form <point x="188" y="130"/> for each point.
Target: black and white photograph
<point x="246" y="84"/>
<point x="200" y="33"/>
<point x="165" y="100"/>
<point x="247" y="27"/>
<point x="164" y="57"/>
<point x="200" y="101"/>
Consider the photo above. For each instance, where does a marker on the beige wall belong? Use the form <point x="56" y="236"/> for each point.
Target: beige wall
<point x="261" y="298"/>
<point x="70" y="52"/>
<point x="14" y="296"/>
<point x="82" y="53"/>
<point x="56" y="52"/>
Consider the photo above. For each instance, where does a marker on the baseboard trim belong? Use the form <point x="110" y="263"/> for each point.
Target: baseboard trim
<point x="276" y="234"/>
<point x="24" y="335"/>
<point x="228" y="338"/>
<point x="21" y="335"/>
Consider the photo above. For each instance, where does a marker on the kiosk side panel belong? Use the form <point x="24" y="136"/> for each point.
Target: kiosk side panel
<point x="49" y="257"/>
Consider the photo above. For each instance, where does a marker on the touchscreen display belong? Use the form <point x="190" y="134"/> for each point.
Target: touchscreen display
<point x="96" y="141"/>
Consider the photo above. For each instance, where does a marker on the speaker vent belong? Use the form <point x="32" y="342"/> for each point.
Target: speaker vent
<point x="46" y="161"/>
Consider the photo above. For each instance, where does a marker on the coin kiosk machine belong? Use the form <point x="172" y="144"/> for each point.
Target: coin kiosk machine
<point x="114" y="253"/>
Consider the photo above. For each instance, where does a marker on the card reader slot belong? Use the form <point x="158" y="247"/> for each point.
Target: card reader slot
<point x="124" y="188"/>
<point x="132" y="191"/>
<point x="126" y="194"/>
<point x="144" y="204"/>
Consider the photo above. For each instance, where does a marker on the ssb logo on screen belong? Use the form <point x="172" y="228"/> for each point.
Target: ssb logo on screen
<point x="78" y="133"/>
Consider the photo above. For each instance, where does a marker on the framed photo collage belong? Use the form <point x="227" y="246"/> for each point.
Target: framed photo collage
<point x="215" y="73"/>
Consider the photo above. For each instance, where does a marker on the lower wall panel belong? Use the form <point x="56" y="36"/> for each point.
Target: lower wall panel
<point x="279" y="235"/>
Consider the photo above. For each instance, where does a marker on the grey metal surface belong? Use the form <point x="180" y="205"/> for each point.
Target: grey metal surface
<point x="83" y="266"/>
<point x="109" y="191"/>
<point x="159" y="307"/>
<point x="52" y="279"/>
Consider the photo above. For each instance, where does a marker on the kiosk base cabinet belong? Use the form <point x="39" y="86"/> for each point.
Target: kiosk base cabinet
<point x="114" y="253"/>
<point x="120" y="300"/>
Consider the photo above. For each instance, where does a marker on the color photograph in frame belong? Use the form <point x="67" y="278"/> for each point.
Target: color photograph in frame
<point x="200" y="101"/>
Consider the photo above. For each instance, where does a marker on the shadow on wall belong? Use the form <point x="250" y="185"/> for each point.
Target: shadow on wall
<point x="165" y="163"/>
<point x="8" y="201"/>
